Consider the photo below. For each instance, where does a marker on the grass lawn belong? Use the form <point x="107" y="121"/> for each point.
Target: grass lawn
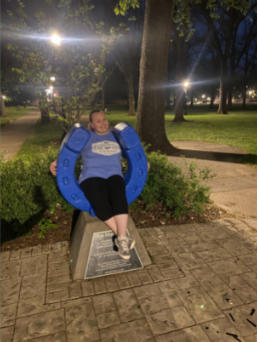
<point x="41" y="138"/>
<point x="238" y="129"/>
<point x="13" y="114"/>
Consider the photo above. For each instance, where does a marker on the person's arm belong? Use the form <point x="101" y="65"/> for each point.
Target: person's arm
<point x="148" y="166"/>
<point x="53" y="167"/>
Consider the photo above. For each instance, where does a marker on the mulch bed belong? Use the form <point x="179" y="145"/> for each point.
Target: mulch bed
<point x="156" y="216"/>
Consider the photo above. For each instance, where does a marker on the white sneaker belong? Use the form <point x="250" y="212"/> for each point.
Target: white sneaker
<point x="131" y="242"/>
<point x="123" y="246"/>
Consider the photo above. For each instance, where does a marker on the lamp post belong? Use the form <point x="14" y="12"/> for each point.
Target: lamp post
<point x="186" y="84"/>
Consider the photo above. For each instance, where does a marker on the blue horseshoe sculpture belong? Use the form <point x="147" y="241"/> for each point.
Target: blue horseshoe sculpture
<point x="74" y="143"/>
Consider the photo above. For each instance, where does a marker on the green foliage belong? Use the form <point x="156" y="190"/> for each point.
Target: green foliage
<point x="123" y="5"/>
<point x="175" y="190"/>
<point x="28" y="188"/>
<point x="45" y="224"/>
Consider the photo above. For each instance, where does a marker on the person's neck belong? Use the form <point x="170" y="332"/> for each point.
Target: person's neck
<point x="102" y="133"/>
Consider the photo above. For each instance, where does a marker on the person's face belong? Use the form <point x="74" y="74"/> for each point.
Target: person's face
<point x="100" y="123"/>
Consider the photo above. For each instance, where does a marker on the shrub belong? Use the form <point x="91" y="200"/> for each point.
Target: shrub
<point x="28" y="188"/>
<point x="179" y="192"/>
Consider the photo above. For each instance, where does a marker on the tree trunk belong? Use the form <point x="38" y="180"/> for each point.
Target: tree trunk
<point x="180" y="92"/>
<point x="150" y="123"/>
<point x="192" y="99"/>
<point x="212" y="97"/>
<point x="230" y="95"/>
<point x="244" y="97"/>
<point x="131" y="95"/>
<point x="45" y="118"/>
<point x="223" y="90"/>
<point x="167" y="99"/>
<point x="103" y="97"/>
<point x="3" y="110"/>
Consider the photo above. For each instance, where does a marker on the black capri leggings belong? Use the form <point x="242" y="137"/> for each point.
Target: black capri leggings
<point x="107" y="196"/>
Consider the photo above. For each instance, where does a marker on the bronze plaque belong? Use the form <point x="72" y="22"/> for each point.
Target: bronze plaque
<point x="104" y="258"/>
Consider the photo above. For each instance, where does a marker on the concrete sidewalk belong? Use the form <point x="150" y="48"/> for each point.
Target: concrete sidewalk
<point x="15" y="133"/>
<point x="235" y="186"/>
<point x="200" y="288"/>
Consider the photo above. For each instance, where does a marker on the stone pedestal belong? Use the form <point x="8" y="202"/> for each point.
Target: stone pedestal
<point x="81" y="239"/>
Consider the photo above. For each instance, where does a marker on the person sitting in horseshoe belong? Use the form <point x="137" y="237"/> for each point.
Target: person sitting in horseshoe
<point x="102" y="182"/>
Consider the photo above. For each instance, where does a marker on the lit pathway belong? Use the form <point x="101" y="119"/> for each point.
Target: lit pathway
<point x="15" y="133"/>
<point x="235" y="186"/>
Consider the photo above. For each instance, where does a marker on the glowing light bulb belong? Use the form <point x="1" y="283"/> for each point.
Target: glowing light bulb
<point x="56" y="39"/>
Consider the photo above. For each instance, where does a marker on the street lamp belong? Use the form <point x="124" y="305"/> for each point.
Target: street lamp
<point x="56" y="39"/>
<point x="186" y="84"/>
<point x="52" y="78"/>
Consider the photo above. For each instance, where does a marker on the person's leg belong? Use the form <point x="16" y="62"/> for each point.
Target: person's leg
<point x="121" y="223"/>
<point x="111" y="223"/>
<point x="118" y="199"/>
<point x="96" y="193"/>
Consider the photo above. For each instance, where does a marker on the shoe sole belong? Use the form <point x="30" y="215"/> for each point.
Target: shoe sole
<point x="124" y="256"/>
<point x="132" y="245"/>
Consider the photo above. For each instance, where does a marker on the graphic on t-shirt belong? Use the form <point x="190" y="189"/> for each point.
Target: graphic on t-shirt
<point x="106" y="148"/>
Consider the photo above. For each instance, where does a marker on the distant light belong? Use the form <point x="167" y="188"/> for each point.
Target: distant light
<point x="208" y="98"/>
<point x="186" y="84"/>
<point x="4" y="96"/>
<point x="52" y="78"/>
<point x="56" y="39"/>
<point x="54" y="94"/>
<point x="49" y="91"/>
<point x="51" y="87"/>
<point x="203" y="96"/>
<point x="250" y="92"/>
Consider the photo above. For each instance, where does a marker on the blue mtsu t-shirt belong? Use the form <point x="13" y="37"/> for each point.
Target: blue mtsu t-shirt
<point x="101" y="157"/>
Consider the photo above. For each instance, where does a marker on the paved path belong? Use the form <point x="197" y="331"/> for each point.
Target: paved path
<point x="202" y="287"/>
<point x="15" y="133"/>
<point x="235" y="186"/>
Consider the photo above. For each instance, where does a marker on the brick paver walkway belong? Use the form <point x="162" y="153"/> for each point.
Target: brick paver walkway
<point x="202" y="287"/>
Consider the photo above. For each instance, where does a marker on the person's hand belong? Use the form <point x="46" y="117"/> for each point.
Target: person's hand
<point x="53" y="167"/>
<point x="148" y="166"/>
